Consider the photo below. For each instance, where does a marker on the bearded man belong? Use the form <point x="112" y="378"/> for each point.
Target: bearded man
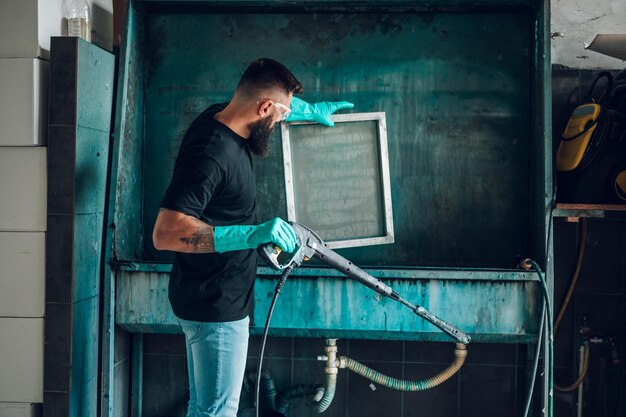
<point x="208" y="218"/>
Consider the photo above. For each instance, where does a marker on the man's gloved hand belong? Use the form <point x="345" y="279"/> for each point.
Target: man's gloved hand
<point x="278" y="231"/>
<point x="318" y="112"/>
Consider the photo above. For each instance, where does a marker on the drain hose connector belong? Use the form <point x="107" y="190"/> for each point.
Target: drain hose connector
<point x="331" y="371"/>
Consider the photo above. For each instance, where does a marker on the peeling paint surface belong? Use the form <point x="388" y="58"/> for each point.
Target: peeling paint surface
<point x="458" y="91"/>
<point x="580" y="21"/>
<point x="331" y="306"/>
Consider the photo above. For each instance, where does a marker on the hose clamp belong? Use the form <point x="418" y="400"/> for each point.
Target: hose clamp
<point x="342" y="362"/>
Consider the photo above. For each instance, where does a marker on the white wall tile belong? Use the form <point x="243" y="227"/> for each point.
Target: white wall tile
<point x="20" y="410"/>
<point x="21" y="360"/>
<point x="26" y="27"/>
<point x="18" y="20"/>
<point x="23" y="189"/>
<point x="24" y="101"/>
<point x="23" y="274"/>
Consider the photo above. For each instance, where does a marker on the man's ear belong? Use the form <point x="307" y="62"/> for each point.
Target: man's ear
<point x="265" y="108"/>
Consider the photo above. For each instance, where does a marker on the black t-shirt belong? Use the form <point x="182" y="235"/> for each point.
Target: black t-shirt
<point x="213" y="181"/>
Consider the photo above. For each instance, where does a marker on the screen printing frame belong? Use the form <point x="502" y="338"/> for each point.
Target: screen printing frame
<point x="383" y="171"/>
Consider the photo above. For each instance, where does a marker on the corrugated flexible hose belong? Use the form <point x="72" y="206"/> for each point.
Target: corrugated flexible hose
<point x="460" y="353"/>
<point x="329" y="393"/>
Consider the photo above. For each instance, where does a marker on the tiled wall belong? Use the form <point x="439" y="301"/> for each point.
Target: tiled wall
<point x="490" y="384"/>
<point x="78" y="144"/>
<point x="25" y="28"/>
<point x="493" y="381"/>
<point x="23" y="116"/>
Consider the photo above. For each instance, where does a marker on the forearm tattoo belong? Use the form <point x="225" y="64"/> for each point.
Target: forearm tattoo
<point x="201" y="241"/>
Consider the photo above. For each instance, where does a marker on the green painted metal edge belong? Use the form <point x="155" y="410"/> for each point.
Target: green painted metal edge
<point x="416" y="273"/>
<point x="343" y="334"/>
<point x="544" y="68"/>
<point x="354" y="5"/>
<point x="395" y="273"/>
<point x="323" y="333"/>
<point x="542" y="120"/>
<point x="421" y="337"/>
<point x="107" y="389"/>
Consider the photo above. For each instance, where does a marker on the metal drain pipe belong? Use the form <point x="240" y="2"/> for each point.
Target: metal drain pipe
<point x="331" y="371"/>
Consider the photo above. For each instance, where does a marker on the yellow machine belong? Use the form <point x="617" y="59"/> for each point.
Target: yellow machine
<point x="577" y="136"/>
<point x="591" y="158"/>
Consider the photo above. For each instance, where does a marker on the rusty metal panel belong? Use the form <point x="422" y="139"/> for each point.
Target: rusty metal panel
<point x="469" y="180"/>
<point x="124" y="210"/>
<point x="128" y="157"/>
<point x="458" y="126"/>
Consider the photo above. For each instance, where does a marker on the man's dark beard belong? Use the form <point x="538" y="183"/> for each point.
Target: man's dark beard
<point x="260" y="132"/>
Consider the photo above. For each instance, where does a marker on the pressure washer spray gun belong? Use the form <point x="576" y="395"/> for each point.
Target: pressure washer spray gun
<point x="311" y="245"/>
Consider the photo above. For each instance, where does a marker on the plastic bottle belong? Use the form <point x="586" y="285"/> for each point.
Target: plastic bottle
<point x="79" y="20"/>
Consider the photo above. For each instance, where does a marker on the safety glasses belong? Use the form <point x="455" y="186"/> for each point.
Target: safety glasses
<point x="283" y="111"/>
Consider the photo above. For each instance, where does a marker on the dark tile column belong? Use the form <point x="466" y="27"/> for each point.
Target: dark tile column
<point x="81" y="83"/>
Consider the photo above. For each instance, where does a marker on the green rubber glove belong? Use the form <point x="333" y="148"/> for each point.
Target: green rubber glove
<point x="318" y="112"/>
<point x="278" y="231"/>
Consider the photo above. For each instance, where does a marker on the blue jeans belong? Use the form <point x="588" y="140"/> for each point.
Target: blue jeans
<point x="216" y="362"/>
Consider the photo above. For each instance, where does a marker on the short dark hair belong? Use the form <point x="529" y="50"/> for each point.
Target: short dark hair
<point x="267" y="74"/>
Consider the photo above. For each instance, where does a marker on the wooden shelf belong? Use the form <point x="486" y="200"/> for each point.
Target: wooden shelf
<point x="573" y="212"/>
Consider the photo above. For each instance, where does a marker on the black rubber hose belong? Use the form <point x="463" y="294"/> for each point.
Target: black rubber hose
<point x="268" y="388"/>
<point x="607" y="91"/>
<point x="293" y="392"/>
<point x="533" y="377"/>
<point x="279" y="287"/>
